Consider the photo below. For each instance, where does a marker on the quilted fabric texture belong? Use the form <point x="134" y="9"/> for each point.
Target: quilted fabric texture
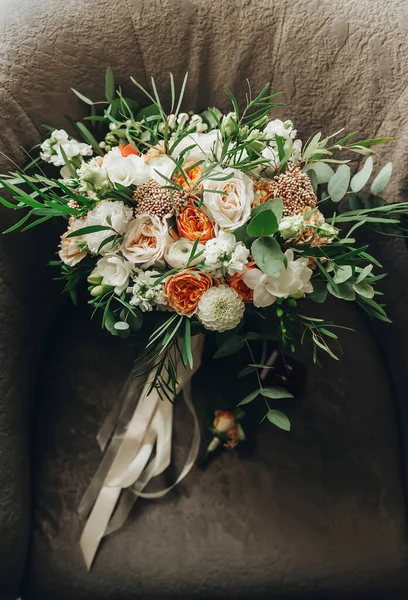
<point x="328" y="501"/>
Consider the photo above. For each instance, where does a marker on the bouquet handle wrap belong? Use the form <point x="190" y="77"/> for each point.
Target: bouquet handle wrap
<point x="136" y="439"/>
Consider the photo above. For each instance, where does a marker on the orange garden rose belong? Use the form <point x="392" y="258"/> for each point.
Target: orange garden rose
<point x="184" y="290"/>
<point x="127" y="150"/>
<point x="193" y="223"/>
<point x="241" y="287"/>
<point x="192" y="176"/>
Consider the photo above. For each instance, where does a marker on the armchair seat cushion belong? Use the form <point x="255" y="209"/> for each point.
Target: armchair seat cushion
<point x="314" y="513"/>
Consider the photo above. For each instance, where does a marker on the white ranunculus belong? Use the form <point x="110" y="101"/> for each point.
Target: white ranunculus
<point x="115" y="271"/>
<point x="126" y="170"/>
<point x="232" y="208"/>
<point x="293" y="281"/>
<point x="178" y="253"/>
<point x="146" y="241"/>
<point x="93" y="177"/>
<point x="51" y="148"/>
<point x="224" y="255"/>
<point x="205" y="146"/>
<point x="161" y="165"/>
<point x="113" y="214"/>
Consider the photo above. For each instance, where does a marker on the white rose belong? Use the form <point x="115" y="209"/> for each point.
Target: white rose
<point x="294" y="281"/>
<point x="113" y="214"/>
<point x="71" y="252"/>
<point x="126" y="170"/>
<point x="178" y="253"/>
<point x="232" y="208"/>
<point x="205" y="145"/>
<point x="93" y="177"/>
<point x="51" y="148"/>
<point x="146" y="241"/>
<point x="115" y="271"/>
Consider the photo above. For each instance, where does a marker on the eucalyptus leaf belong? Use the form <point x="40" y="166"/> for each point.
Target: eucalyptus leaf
<point x="276" y="393"/>
<point x="121" y="326"/>
<point x="360" y="179"/>
<point x="381" y="180"/>
<point x="232" y="345"/>
<point x="268" y="256"/>
<point x="339" y="183"/>
<point x="264" y="223"/>
<point x="319" y="293"/>
<point x="323" y="171"/>
<point x="343" y="273"/>
<point x="364" y="289"/>
<point x="363" y="274"/>
<point x="344" y="291"/>
<point x="279" y="419"/>
<point x="249" y="398"/>
<point x="276" y="205"/>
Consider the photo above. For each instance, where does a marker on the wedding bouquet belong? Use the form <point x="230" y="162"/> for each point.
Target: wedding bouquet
<point x="184" y="224"/>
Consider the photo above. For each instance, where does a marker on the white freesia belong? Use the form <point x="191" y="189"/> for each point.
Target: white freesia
<point x="146" y="292"/>
<point x="178" y="253"/>
<point x="126" y="170"/>
<point x="115" y="215"/>
<point x="220" y="308"/>
<point x="115" y="272"/>
<point x="231" y="208"/>
<point x="59" y="139"/>
<point x="294" y="281"/>
<point x="224" y="255"/>
<point x="93" y="177"/>
<point x="146" y="241"/>
<point x="72" y="250"/>
<point x="291" y="226"/>
<point x="205" y="145"/>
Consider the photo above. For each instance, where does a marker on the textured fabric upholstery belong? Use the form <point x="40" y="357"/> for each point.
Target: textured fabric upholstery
<point x="320" y="511"/>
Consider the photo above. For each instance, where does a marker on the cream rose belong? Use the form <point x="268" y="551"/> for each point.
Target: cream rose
<point x="146" y="241"/>
<point x="115" y="271"/>
<point x="178" y="253"/>
<point x="232" y="208"/>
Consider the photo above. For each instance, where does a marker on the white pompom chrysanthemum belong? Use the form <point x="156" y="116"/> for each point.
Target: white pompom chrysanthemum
<point x="220" y="308"/>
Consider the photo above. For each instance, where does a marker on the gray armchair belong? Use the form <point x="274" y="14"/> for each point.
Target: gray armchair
<point x="318" y="513"/>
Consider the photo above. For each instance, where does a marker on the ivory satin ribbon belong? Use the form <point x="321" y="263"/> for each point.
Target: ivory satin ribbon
<point x="139" y="425"/>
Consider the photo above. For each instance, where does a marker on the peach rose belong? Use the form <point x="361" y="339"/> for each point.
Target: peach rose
<point x="127" y="150"/>
<point x="71" y="252"/>
<point x="241" y="287"/>
<point x="184" y="290"/>
<point x="193" y="223"/>
<point x="225" y="422"/>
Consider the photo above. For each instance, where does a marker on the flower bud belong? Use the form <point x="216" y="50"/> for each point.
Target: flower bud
<point x="112" y="126"/>
<point x="291" y="226"/>
<point x="327" y="230"/>
<point x="172" y="121"/>
<point x="95" y="278"/>
<point x="229" y="124"/>
<point x="97" y="291"/>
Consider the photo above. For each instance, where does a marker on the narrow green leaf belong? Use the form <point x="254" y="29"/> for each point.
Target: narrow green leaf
<point x="89" y="229"/>
<point x="82" y="97"/>
<point x="88" y="136"/>
<point x="109" y="85"/>
<point x="363" y="274"/>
